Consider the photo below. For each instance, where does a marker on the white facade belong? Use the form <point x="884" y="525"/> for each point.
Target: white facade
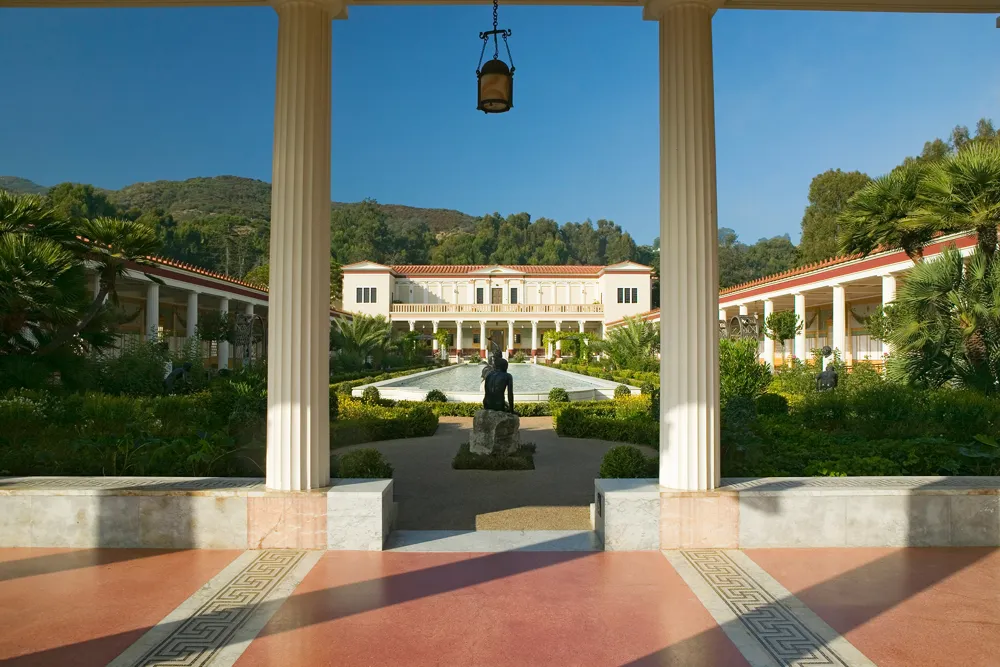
<point x="593" y="293"/>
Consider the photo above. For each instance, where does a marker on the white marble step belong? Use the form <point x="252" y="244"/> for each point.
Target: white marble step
<point x="489" y="541"/>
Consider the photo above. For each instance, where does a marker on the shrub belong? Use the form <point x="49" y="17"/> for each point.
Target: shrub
<point x="138" y="370"/>
<point x="334" y="406"/>
<point x="647" y="388"/>
<point x="522" y="459"/>
<point x="771" y="404"/>
<point x="740" y="371"/>
<point x="558" y="395"/>
<point x="371" y="395"/>
<point x="360" y="464"/>
<point x="794" y="380"/>
<point x="361" y="422"/>
<point x="519" y="358"/>
<point x="627" y="462"/>
<point x="436" y="396"/>
<point x="573" y="422"/>
<point x="621" y="391"/>
<point x="863" y="376"/>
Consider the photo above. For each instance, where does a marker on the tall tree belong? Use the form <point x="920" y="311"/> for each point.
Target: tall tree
<point x="828" y="195"/>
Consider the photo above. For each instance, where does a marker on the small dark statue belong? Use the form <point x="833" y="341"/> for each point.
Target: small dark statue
<point x="827" y="380"/>
<point x="498" y="382"/>
<point x="178" y="374"/>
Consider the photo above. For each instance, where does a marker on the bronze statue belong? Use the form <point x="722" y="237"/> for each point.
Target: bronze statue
<point x="498" y="382"/>
<point x="494" y="355"/>
<point x="827" y="380"/>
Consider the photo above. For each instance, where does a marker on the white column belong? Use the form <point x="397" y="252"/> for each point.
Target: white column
<point x="435" y="347"/>
<point x="223" y="358"/>
<point x="768" y="355"/>
<point x="413" y="325"/>
<point x="192" y="315"/>
<point x="510" y="337"/>
<point x="840" y="320"/>
<point x="152" y="311"/>
<point x="800" y="337"/>
<point x="458" y="338"/>
<point x="888" y="296"/>
<point x="482" y="339"/>
<point x="248" y="309"/>
<point x="298" y="386"/>
<point x="689" y="288"/>
<point x="534" y="339"/>
<point x="558" y="342"/>
<point x="722" y="314"/>
<point x="582" y="324"/>
<point x="744" y="310"/>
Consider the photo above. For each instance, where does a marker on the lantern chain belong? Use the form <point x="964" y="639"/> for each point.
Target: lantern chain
<point x="496" y="45"/>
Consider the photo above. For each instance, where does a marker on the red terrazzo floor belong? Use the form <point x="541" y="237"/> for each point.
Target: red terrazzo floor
<point x="84" y="607"/>
<point x="514" y="608"/>
<point x="900" y="607"/>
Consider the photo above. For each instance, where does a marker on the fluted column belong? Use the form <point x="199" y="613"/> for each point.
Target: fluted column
<point x="558" y="342"/>
<point x="510" y="338"/>
<point x="223" y="357"/>
<point x="435" y="346"/>
<point x="768" y="354"/>
<point x="458" y="339"/>
<point x="689" y="288"/>
<point x="888" y="296"/>
<point x="800" y="337"/>
<point x="152" y="311"/>
<point x="482" y="339"/>
<point x="192" y="315"/>
<point x="413" y="325"/>
<point x="534" y="341"/>
<point x="840" y="321"/>
<point x="298" y="413"/>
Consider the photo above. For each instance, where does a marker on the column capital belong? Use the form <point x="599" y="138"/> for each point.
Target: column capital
<point x="337" y="9"/>
<point x="654" y="10"/>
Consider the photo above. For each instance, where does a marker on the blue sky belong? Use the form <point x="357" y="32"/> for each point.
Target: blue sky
<point x="112" y="97"/>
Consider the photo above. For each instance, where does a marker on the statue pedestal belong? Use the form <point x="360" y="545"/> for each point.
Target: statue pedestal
<point x="495" y="432"/>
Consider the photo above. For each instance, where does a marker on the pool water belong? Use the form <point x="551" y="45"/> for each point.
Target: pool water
<point x="528" y="378"/>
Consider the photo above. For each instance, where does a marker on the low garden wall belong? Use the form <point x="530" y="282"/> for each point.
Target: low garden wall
<point x="192" y="513"/>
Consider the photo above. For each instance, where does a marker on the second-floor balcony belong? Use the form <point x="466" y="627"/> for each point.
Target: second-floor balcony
<point x="406" y="309"/>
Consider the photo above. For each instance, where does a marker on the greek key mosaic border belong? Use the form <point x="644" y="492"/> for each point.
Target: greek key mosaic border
<point x="914" y="483"/>
<point x="217" y="623"/>
<point x="767" y="619"/>
<point x="122" y="483"/>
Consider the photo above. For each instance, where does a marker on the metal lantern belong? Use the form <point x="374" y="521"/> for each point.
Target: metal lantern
<point x="495" y="78"/>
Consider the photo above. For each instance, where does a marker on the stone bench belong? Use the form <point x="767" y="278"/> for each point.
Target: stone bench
<point x="192" y="513"/>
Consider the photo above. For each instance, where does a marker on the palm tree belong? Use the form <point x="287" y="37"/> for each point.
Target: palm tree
<point x="946" y="324"/>
<point x="630" y="345"/>
<point x="113" y="246"/>
<point x="361" y="337"/>
<point x="880" y="214"/>
<point x="963" y="194"/>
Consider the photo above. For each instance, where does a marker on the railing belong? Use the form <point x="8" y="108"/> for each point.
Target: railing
<point x="496" y="308"/>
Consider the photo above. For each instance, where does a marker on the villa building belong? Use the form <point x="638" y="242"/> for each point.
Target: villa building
<point x="832" y="298"/>
<point x="511" y="305"/>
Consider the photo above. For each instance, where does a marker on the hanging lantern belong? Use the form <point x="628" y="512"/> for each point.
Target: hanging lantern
<point x="496" y="78"/>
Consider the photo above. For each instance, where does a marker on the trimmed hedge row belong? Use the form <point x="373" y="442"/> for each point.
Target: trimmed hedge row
<point x="363" y="422"/>
<point x="346" y="386"/>
<point x="573" y="422"/>
<point x="634" y="378"/>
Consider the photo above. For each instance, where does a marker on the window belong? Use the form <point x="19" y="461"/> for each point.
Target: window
<point x="517" y="339"/>
<point x="475" y="338"/>
<point x="358" y="300"/>
<point x="635" y="294"/>
<point x="479" y="295"/>
<point x="513" y="295"/>
<point x="366" y="295"/>
<point x="628" y="295"/>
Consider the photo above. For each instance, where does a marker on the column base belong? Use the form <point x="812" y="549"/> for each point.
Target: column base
<point x="482" y="354"/>
<point x="699" y="519"/>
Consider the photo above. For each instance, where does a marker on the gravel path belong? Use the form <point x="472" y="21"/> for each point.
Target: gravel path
<point x="556" y="495"/>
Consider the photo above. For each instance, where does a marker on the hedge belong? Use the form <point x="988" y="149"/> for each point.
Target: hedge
<point x="361" y="422"/>
<point x="573" y="422"/>
<point x="346" y="386"/>
<point x="634" y="378"/>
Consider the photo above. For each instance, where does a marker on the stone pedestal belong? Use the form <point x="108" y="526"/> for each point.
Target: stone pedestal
<point x="495" y="432"/>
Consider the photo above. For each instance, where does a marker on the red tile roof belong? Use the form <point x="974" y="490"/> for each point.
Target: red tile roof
<point x="462" y="269"/>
